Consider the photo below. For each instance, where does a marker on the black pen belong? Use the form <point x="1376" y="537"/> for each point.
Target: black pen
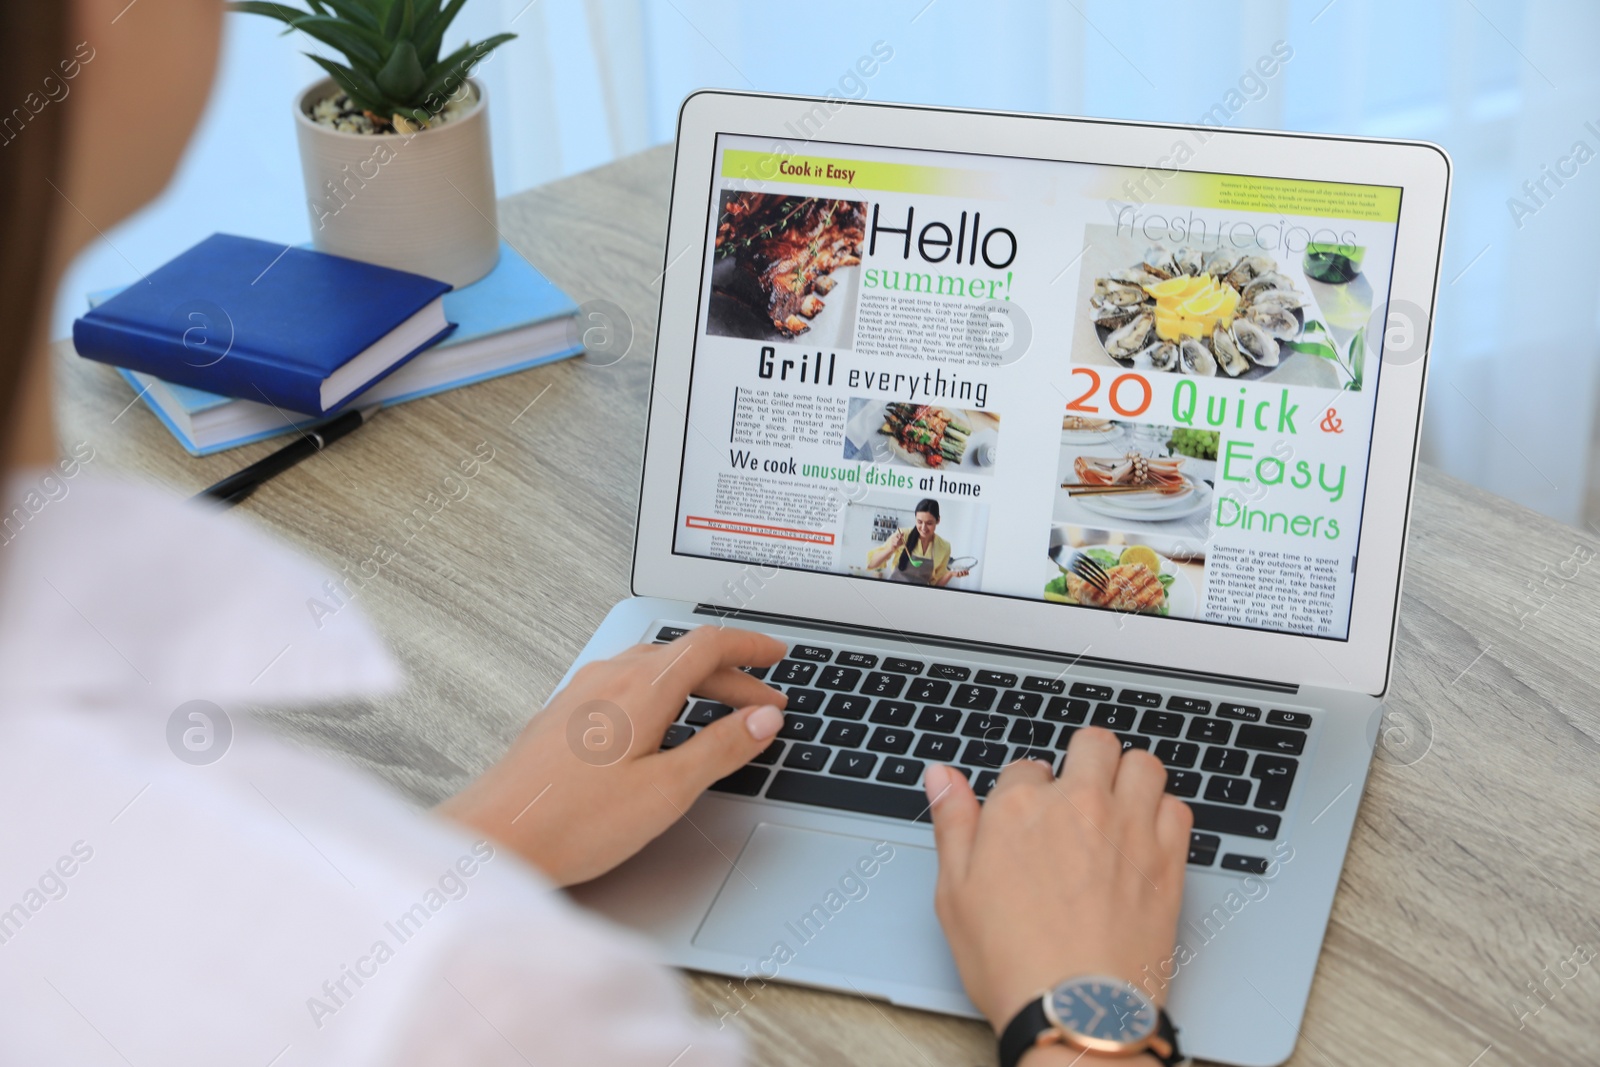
<point x="312" y="439"/>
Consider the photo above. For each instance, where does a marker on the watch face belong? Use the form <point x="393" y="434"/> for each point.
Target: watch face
<point x="1106" y="1013"/>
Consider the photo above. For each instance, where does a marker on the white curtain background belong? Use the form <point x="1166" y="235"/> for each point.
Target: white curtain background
<point x="1507" y="86"/>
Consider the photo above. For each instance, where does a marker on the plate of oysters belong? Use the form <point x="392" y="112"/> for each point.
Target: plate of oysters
<point x="1223" y="312"/>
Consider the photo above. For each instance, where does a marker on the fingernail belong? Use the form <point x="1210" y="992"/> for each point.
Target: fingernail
<point x="935" y="780"/>
<point x="764" y="723"/>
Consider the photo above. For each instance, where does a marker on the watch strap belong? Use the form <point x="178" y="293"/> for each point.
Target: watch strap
<point x="1023" y="1032"/>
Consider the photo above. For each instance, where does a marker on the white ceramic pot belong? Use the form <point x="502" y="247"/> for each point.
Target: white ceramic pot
<point x="421" y="202"/>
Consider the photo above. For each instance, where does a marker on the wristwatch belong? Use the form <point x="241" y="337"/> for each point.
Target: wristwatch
<point x="1104" y="1018"/>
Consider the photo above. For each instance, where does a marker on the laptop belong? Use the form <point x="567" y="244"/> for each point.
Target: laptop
<point x="1007" y="425"/>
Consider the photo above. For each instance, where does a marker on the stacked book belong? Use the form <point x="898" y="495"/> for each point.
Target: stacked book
<point x="239" y="340"/>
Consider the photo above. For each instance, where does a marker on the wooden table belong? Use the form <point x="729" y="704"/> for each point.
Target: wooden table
<point x="1474" y="867"/>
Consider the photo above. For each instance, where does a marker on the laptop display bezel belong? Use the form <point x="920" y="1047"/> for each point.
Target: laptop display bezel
<point x="1358" y="663"/>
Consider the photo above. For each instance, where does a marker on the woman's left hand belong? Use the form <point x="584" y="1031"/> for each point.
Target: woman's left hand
<point x="584" y="786"/>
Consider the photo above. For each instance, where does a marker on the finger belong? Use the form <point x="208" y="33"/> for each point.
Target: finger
<point x="695" y="656"/>
<point x="737" y="689"/>
<point x="1092" y="758"/>
<point x="1141" y="782"/>
<point x="1023" y="772"/>
<point x="1174" y="820"/>
<point x="955" y="818"/>
<point x="720" y="749"/>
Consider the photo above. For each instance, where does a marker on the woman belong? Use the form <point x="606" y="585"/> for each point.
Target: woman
<point x="917" y="554"/>
<point x="160" y="905"/>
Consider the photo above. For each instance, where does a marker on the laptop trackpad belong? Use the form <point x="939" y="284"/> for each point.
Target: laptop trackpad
<point x="834" y="902"/>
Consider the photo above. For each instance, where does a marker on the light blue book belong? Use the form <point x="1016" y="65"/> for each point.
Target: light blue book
<point x="511" y="319"/>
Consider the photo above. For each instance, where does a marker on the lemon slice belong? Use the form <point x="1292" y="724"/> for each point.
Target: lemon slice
<point x="1141" y="554"/>
<point x="1202" y="304"/>
<point x="1171" y="287"/>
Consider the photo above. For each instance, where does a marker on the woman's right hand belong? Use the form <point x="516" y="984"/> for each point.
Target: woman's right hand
<point x="1056" y="878"/>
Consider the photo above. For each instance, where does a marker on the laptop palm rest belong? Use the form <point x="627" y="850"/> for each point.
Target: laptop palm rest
<point x="815" y="901"/>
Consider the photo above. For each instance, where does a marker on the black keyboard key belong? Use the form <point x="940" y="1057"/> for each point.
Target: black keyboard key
<point x="865" y="660"/>
<point x="1161" y="723"/>
<point x="1030" y="732"/>
<point x="1276" y="774"/>
<point x="1065" y="709"/>
<point x="1142" y="697"/>
<point x="984" y="781"/>
<point x="808" y="757"/>
<point x="793" y="672"/>
<point x="975" y="697"/>
<point x="1211" y="731"/>
<point x="1183" y="783"/>
<point x="676" y="735"/>
<point x="800" y="728"/>
<point x="949" y="673"/>
<point x="1035" y="684"/>
<point x="854" y="764"/>
<point x="940" y="748"/>
<point x="984" y="754"/>
<point x="759" y="673"/>
<point x="902" y="666"/>
<point x="1133" y="741"/>
<point x="928" y="691"/>
<point x="893" y="712"/>
<point x="1091" y="692"/>
<point x="879" y="684"/>
<point x="1225" y="761"/>
<point x="1228" y="790"/>
<point x="809" y="701"/>
<point x="1242" y="712"/>
<point x="1177" y="753"/>
<point x="1064" y="738"/>
<point x="769" y="754"/>
<point x="847" y="706"/>
<point x="1189" y="704"/>
<point x="939" y="720"/>
<point x="1239" y="821"/>
<point x="815" y="653"/>
<point x="746" y="781"/>
<point x="1271" y="739"/>
<point x="890" y="739"/>
<point x="899" y="771"/>
<point x="1019" y="703"/>
<point x="839" y="679"/>
<point x="1248" y="864"/>
<point x="706" y="712"/>
<point x="985" y="725"/>
<point x="1043" y="755"/>
<point x="670" y="633"/>
<point x="1298" y="719"/>
<point x="1203" y="849"/>
<point x="845" y="734"/>
<point x="843" y="794"/>
<point x="1113" y="716"/>
<point x="996" y="678"/>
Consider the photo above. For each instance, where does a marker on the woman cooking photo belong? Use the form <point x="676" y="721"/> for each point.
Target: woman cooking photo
<point x="917" y="555"/>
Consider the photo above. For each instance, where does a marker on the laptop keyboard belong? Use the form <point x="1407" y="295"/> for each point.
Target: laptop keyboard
<point x="860" y="727"/>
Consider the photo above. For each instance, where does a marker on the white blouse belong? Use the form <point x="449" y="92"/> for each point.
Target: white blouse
<point x="178" y="886"/>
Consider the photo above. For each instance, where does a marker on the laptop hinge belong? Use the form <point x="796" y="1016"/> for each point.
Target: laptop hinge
<point x="1069" y="659"/>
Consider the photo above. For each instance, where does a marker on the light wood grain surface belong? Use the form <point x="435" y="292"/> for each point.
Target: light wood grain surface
<point x="1475" y="866"/>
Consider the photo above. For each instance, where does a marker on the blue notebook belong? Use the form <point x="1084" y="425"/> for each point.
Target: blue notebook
<point x="510" y="320"/>
<point x="290" y="327"/>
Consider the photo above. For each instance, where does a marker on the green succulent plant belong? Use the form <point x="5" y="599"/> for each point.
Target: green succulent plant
<point x="392" y="47"/>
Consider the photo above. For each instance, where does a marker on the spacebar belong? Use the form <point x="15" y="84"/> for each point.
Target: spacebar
<point x="1241" y="821"/>
<point x="864" y="797"/>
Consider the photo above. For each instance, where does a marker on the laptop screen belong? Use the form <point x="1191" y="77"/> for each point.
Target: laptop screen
<point x="1118" y="389"/>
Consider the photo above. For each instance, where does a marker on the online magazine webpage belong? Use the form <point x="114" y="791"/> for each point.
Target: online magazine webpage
<point x="1107" y="388"/>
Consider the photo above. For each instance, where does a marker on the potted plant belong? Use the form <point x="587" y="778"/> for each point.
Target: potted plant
<point x="394" y="143"/>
